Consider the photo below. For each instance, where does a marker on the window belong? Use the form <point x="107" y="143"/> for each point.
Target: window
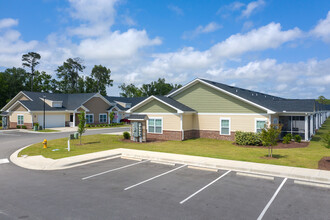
<point x="224" y="126"/>
<point x="20" y="119"/>
<point x="275" y="121"/>
<point x="103" y="118"/>
<point x="260" y="124"/>
<point x="89" y="118"/>
<point x="155" y="125"/>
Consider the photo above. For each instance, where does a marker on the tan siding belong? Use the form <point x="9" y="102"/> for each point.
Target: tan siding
<point x="188" y="120"/>
<point x="19" y="108"/>
<point x="205" y="99"/>
<point x="237" y="122"/>
<point x="155" y="106"/>
<point x="27" y="117"/>
<point x="170" y="122"/>
<point x="96" y="106"/>
<point x="22" y="97"/>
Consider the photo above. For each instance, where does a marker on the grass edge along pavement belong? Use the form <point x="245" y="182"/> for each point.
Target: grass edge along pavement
<point x="307" y="157"/>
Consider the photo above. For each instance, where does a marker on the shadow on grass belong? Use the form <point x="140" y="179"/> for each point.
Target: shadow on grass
<point x="316" y="139"/>
<point x="86" y="143"/>
<point x="275" y="156"/>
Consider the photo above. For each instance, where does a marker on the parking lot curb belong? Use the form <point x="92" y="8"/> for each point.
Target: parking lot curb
<point x="42" y="163"/>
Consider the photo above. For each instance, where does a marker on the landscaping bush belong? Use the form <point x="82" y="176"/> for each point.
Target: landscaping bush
<point x="247" y="138"/>
<point x="126" y="135"/>
<point x="287" y="138"/>
<point x="88" y="125"/>
<point x="297" y="138"/>
<point x="18" y="127"/>
<point x="326" y="140"/>
<point x="23" y="127"/>
<point x="36" y="124"/>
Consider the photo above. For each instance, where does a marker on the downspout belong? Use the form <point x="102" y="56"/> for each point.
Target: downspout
<point x="181" y="126"/>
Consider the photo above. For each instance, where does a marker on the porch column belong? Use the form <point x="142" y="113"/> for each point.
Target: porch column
<point x="311" y="125"/>
<point x="306" y="128"/>
<point x="74" y="120"/>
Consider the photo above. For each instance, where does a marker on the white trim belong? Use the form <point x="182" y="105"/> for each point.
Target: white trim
<point x="9" y="103"/>
<point x="86" y="118"/>
<point x="83" y="107"/>
<point x="106" y="118"/>
<point x="229" y="125"/>
<point x="153" y="113"/>
<point x="100" y="96"/>
<point x="148" y="100"/>
<point x="181" y="126"/>
<point x="18" y="102"/>
<point x="115" y="106"/>
<point x="257" y="114"/>
<point x="224" y="91"/>
<point x="17" y="119"/>
<point x="155" y="125"/>
<point x="306" y="128"/>
<point x="258" y="119"/>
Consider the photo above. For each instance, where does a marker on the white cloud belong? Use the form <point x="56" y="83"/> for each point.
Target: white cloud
<point x="210" y="27"/>
<point x="269" y="36"/>
<point x="115" y="45"/>
<point x="251" y="7"/>
<point x="235" y="6"/>
<point x="98" y="16"/>
<point x="322" y="29"/>
<point x="8" y="22"/>
<point x="176" y="9"/>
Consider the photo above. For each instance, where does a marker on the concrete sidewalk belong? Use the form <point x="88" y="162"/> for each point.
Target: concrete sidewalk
<point x="42" y="163"/>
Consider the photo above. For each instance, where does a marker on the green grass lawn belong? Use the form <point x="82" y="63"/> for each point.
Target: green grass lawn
<point x="48" y="130"/>
<point x="299" y="157"/>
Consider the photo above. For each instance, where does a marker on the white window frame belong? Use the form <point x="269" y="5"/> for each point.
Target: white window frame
<point x="19" y="120"/>
<point x="106" y="118"/>
<point x="161" y="118"/>
<point x="259" y="119"/>
<point x="229" y="125"/>
<point x="89" y="122"/>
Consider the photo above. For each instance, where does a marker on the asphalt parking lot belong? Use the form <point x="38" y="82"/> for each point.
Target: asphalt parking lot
<point x="130" y="189"/>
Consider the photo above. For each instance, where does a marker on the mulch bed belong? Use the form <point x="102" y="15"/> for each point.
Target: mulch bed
<point x="324" y="163"/>
<point x="148" y="141"/>
<point x="279" y="145"/>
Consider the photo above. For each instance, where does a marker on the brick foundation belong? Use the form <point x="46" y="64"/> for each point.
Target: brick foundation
<point x="208" y="134"/>
<point x="166" y="136"/>
<point x="14" y="125"/>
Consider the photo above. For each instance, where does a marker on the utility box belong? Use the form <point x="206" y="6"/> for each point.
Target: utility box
<point x="138" y="127"/>
<point x="76" y="135"/>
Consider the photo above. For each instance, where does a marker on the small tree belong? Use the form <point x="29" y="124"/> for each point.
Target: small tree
<point x="270" y="136"/>
<point x="82" y="124"/>
<point x="111" y="116"/>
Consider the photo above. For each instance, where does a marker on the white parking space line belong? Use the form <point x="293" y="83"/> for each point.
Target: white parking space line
<point x="170" y="171"/>
<point x="5" y="160"/>
<point x="119" y="168"/>
<point x="200" y="190"/>
<point x="271" y="200"/>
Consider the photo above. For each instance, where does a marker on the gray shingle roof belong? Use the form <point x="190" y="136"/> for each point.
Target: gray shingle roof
<point x="274" y="103"/>
<point x="175" y="104"/>
<point x="70" y="101"/>
<point x="132" y="100"/>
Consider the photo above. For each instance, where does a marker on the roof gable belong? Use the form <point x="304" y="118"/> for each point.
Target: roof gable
<point x="206" y="99"/>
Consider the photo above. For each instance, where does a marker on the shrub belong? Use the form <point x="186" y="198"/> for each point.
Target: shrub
<point x="36" y="124"/>
<point x="326" y="140"/>
<point x="18" y="127"/>
<point x="23" y="127"/>
<point x="126" y="135"/>
<point x="297" y="138"/>
<point x="287" y="138"/>
<point x="247" y="138"/>
<point x="88" y="125"/>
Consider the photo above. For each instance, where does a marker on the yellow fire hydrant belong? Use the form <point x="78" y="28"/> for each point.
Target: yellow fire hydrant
<point x="45" y="143"/>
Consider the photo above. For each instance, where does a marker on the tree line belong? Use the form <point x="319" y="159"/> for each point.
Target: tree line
<point x="69" y="79"/>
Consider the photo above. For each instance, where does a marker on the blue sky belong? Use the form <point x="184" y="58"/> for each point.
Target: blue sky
<point x="277" y="47"/>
